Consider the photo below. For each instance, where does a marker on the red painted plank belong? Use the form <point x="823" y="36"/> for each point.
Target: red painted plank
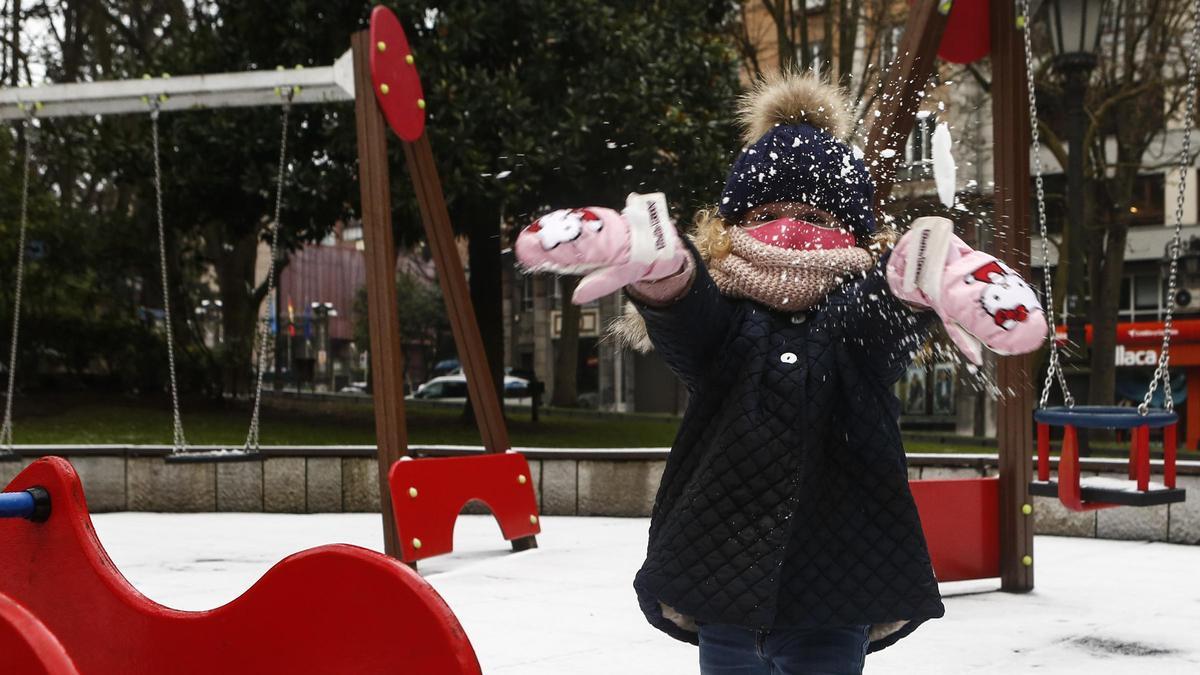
<point x="331" y="609"/>
<point x="428" y="495"/>
<point x="961" y="520"/>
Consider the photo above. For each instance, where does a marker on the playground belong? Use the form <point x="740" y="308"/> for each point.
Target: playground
<point x="487" y="543"/>
<point x="1105" y="607"/>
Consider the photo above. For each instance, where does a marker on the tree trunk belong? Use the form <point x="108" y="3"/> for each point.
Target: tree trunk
<point x="234" y="268"/>
<point x="1105" y="306"/>
<point x="566" y="365"/>
<point x="486" y="282"/>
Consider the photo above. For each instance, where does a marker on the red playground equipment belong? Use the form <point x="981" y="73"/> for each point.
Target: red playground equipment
<point x="442" y="486"/>
<point x="331" y="609"/>
<point x="1080" y="494"/>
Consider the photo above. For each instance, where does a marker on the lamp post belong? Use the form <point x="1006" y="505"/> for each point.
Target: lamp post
<point x="1075" y="32"/>
<point x="322" y="313"/>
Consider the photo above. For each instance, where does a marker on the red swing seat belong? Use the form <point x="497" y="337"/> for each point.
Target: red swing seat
<point x="1089" y="494"/>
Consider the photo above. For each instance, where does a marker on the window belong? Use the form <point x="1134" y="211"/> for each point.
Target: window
<point x="889" y="47"/>
<point x="1146" y="207"/>
<point x="1142" y="297"/>
<point x="918" y="152"/>
<point x="527" y="293"/>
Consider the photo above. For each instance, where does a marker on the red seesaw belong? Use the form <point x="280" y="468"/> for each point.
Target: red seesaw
<point x="331" y="609"/>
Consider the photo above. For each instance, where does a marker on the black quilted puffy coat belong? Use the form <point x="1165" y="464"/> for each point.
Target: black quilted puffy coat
<point x="785" y="498"/>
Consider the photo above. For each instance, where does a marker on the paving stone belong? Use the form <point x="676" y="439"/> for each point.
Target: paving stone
<point x="360" y="484"/>
<point x="152" y="484"/>
<point x="103" y="481"/>
<point x="1185" y="516"/>
<point x="323" y="483"/>
<point x="1051" y="517"/>
<point x="559" y="494"/>
<point x="284" y="485"/>
<point x="618" y="488"/>
<point x="240" y="486"/>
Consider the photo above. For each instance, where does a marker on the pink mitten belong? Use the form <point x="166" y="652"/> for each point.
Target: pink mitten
<point x="979" y="298"/>
<point x="612" y="249"/>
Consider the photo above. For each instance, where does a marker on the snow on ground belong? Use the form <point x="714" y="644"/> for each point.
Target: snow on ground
<point x="568" y="607"/>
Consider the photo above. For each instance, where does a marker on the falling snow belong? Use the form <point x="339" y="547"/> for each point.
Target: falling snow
<point x="943" y="165"/>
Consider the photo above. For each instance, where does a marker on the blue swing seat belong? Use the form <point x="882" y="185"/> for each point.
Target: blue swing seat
<point x="1088" y="494"/>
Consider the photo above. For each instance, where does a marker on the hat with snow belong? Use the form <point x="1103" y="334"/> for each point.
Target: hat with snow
<point x="792" y="125"/>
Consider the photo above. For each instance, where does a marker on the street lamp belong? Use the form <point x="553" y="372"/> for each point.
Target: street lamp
<point x="322" y="313"/>
<point x="1075" y="32"/>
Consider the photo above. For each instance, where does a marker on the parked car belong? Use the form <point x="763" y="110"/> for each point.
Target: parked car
<point x="453" y="388"/>
<point x="446" y="367"/>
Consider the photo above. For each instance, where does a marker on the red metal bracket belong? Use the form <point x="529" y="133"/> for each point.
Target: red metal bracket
<point x="961" y="521"/>
<point x="428" y="495"/>
<point x="331" y="609"/>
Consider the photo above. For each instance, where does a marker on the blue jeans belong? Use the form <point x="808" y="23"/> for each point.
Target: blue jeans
<point x="734" y="650"/>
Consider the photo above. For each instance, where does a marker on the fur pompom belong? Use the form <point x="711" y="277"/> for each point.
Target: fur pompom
<point x="629" y="331"/>
<point x="793" y="98"/>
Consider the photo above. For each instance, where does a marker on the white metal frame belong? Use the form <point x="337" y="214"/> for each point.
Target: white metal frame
<point x="326" y="84"/>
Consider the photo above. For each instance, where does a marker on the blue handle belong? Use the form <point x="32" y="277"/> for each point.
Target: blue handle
<point x="17" y="504"/>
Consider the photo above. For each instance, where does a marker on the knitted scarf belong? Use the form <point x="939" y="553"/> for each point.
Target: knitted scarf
<point x="783" y="279"/>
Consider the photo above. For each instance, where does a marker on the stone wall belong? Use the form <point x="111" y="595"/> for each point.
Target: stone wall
<point x="566" y="482"/>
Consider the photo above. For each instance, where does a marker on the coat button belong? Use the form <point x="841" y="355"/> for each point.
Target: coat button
<point x="787" y="357"/>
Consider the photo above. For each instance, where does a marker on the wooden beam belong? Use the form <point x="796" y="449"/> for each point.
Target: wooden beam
<point x="906" y="81"/>
<point x="440" y="235"/>
<point x="387" y="361"/>
<point x="1014" y="416"/>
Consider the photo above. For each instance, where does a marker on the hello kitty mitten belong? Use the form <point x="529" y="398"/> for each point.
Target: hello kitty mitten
<point x="611" y="249"/>
<point x="979" y="298"/>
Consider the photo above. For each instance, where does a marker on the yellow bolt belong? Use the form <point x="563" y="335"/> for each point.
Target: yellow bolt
<point x="1027" y="561"/>
<point x="416" y="543"/>
<point x="409" y="59"/>
<point x="163" y="98"/>
<point x="381" y="46"/>
<point x="1027" y="509"/>
<point x="521" y="479"/>
<point x="384" y="89"/>
<point x="412" y="492"/>
<point x="38" y="105"/>
<point x="421" y="103"/>
<point x="1020" y="23"/>
<point x="146" y="76"/>
<point x="166" y="76"/>
<point x="533" y="520"/>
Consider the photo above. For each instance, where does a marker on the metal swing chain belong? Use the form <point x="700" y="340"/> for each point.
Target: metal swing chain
<point x="1054" y="369"/>
<point x="179" y="442"/>
<point x="252" y="442"/>
<point x="1163" y="371"/>
<point x="6" y="430"/>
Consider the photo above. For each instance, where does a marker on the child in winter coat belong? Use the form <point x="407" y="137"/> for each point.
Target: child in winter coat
<point x="784" y="538"/>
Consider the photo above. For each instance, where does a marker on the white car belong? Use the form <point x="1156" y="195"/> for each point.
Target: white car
<point x="453" y="389"/>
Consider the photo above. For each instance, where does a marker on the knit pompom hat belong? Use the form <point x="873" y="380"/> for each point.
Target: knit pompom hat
<point x="793" y="125"/>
